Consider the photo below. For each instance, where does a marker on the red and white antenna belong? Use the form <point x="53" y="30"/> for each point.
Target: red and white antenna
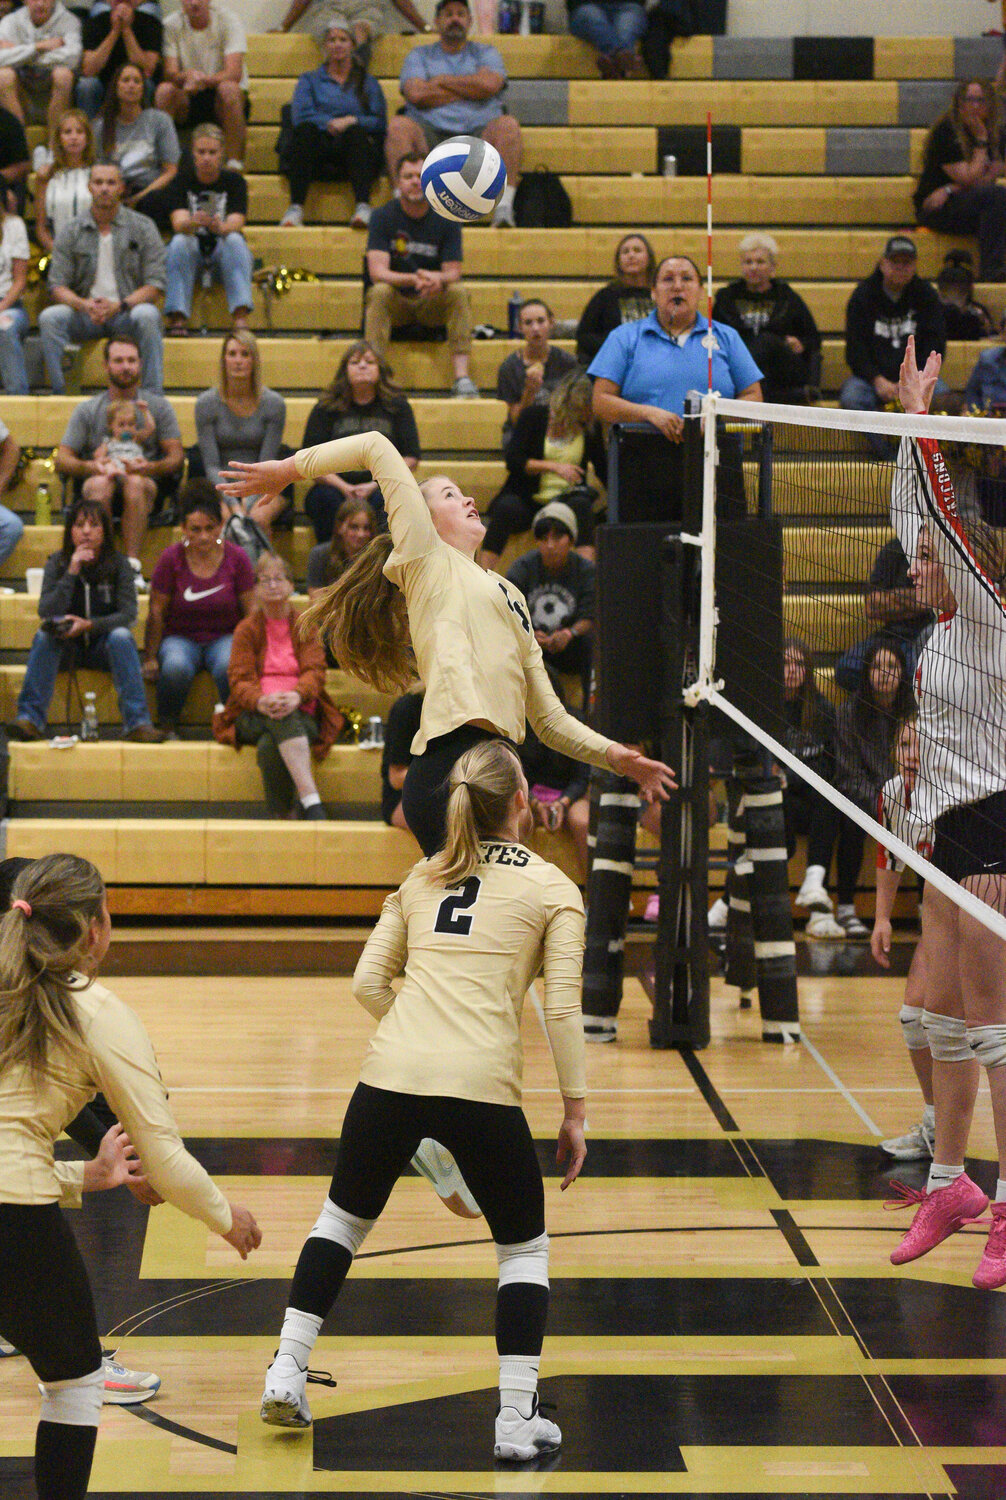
<point x="709" y="244"/>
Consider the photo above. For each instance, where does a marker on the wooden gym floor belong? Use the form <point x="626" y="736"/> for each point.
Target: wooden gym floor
<point x="724" y="1319"/>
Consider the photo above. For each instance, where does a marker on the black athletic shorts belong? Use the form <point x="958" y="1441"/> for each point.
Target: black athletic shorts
<point x="46" y="1307"/>
<point x="425" y="790"/>
<point x="971" y="839"/>
<point x="202" y="108"/>
<point x="491" y="1144"/>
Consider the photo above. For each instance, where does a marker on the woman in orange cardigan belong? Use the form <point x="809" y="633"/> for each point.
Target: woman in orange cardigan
<point x="278" y="700"/>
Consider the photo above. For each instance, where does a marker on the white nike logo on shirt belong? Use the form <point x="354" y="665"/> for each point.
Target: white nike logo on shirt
<point x="190" y="596"/>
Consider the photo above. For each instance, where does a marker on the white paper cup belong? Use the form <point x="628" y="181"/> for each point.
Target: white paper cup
<point x="33" y="578"/>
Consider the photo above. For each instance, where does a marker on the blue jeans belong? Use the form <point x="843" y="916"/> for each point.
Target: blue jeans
<point x="60" y="325"/>
<point x="859" y="395"/>
<point x="13" y="374"/>
<point x="180" y="659"/>
<point x="11" y="532"/>
<point x="609" y="25"/>
<point x="114" y="652"/>
<point x="231" y="263"/>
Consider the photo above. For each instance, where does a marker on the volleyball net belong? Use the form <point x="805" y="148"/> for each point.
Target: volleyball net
<point x="888" y="618"/>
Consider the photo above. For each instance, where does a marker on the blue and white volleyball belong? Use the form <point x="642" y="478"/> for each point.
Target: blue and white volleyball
<point x="463" y="179"/>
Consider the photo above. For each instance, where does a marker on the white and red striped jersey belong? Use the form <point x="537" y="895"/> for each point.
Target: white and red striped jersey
<point x="960" y="681"/>
<point x="897" y="811"/>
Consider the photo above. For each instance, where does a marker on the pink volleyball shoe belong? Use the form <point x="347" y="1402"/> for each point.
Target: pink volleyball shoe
<point x="940" y="1214"/>
<point x="991" y="1270"/>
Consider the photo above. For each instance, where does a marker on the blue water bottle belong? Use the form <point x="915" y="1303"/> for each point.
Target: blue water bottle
<point x="513" y="315"/>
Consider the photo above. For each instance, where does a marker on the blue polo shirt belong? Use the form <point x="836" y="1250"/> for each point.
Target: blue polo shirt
<point x="652" y="368"/>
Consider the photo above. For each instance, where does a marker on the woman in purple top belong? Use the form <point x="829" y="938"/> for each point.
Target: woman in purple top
<point x="201" y="587"/>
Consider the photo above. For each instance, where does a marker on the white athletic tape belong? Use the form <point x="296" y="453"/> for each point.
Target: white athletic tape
<point x="988" y="1045"/>
<point x="527" y="1261"/>
<point x="912" y="1028"/>
<point x="342" y="1228"/>
<point x="73" y="1403"/>
<point x="947" y="1036"/>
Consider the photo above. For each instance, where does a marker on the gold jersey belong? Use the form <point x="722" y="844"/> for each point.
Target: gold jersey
<point x="469" y="954"/>
<point x="116" y="1058"/>
<point x="471" y="630"/>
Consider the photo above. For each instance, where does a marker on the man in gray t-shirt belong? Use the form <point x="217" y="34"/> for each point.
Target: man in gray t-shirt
<point x="156" y="474"/>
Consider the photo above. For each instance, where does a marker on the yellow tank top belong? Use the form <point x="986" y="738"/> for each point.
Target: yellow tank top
<point x="561" y="451"/>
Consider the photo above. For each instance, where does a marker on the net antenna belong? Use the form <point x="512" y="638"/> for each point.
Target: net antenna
<point x="845" y="484"/>
<point x="709" y="340"/>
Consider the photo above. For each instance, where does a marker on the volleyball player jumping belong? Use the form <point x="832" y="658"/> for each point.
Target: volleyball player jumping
<point x="961" y="792"/>
<point x="63" y="1037"/>
<point x="470" y="928"/>
<point x="470" y="629"/>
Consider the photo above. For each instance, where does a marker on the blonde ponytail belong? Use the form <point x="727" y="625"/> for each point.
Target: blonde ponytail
<point x="363" y="618"/>
<point x="40" y="949"/>
<point x="482" y="787"/>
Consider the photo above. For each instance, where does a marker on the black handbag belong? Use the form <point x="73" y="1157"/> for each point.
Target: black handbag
<point x="541" y="201"/>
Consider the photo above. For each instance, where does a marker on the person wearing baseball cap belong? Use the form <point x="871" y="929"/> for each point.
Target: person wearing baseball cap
<point x="882" y="312"/>
<point x="558" y="585"/>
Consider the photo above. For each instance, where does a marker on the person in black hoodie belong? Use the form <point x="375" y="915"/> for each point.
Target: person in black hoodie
<point x="623" y="300"/>
<point x="882" y="313"/>
<point x="87" y="609"/>
<point x="959" y="191"/>
<point x="775" y="323"/>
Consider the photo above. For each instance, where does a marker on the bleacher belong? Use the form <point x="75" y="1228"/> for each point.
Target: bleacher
<point x="817" y="143"/>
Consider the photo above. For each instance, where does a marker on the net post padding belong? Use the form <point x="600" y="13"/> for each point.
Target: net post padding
<point x="609" y="890"/>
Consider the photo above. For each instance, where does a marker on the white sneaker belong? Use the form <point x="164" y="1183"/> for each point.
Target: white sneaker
<point x="599" y="1029"/>
<point x="361" y="216"/>
<point x="503" y="219"/>
<point x="283" y="1401"/>
<point x="139" y="582"/>
<point x="850" y="924"/>
<point x="717" y="915"/>
<point x="812" y="894"/>
<point x="464" y="389"/>
<point x="7" y="1351"/>
<point x="522" y="1438"/>
<point x="293" y="218"/>
<point x="915" y="1145"/>
<point x="234" y="165"/>
<point x="437" y="1165"/>
<point x="823" y="925"/>
<point x="127" y="1387"/>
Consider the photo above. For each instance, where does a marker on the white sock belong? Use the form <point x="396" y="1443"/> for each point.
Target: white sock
<point x="941" y="1176"/>
<point x="814" y="875"/>
<point x="929" y="1116"/>
<point x="311" y="800"/>
<point x="506" y="199"/>
<point x="719" y="910"/>
<point x="1000" y="1190"/>
<point x="300" y="1331"/>
<point x="519" y="1381"/>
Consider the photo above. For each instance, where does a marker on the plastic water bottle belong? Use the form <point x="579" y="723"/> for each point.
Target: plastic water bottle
<point x="513" y="315"/>
<point x="89" y="718"/>
<point x="43" y="505"/>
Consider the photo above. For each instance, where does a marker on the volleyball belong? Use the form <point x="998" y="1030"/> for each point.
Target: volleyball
<point x="463" y="179"/>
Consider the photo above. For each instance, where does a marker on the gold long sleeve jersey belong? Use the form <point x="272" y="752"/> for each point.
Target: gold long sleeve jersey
<point x="469" y="953"/>
<point x="471" y="630"/>
<point x="117" y="1058"/>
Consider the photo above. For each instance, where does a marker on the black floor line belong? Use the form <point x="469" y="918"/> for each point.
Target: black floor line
<point x="178" y="1430"/>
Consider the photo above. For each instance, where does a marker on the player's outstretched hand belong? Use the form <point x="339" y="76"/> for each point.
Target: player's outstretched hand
<point x="244" y="1233"/>
<point x="571" y="1150"/>
<point x="268" y="478"/>
<point x="915" y="386"/>
<point x="880" y="943"/>
<point x="115" y="1164"/>
<point x="655" y="780"/>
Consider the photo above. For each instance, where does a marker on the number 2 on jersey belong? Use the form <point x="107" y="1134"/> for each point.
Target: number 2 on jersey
<point x="455" y="912"/>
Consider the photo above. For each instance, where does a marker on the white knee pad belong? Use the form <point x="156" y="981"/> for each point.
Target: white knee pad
<point x="342" y="1228"/>
<point x="73" y="1403"/>
<point x="988" y="1045"/>
<point x="948" y="1037"/>
<point x="912" y="1028"/>
<point x="527" y="1261"/>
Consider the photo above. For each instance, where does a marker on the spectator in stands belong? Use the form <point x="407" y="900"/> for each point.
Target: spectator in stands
<point x="892" y="608"/>
<point x="199" y="590"/>
<point x="277" y="696"/>
<point x="355" y="526"/>
<point x="809" y="735"/>
<point x="775" y="323"/>
<point x="241" y="420"/>
<point x="959" y="191"/>
<point x="208" y="204"/>
<point x="558" y="788"/>
<point x="123" y="32"/>
<point x="152" y="478"/>
<point x="955" y="286"/>
<point x="87" y="608"/>
<point x="399" y="732"/>
<point x="558" y="585"/>
<point x="413" y="273"/>
<point x="614" y="28"/>
<point x="106" y="275"/>
<point x="986" y="387"/>
<point x="546" y="460"/>
<point x="530" y="375"/>
<point x="645" y="369"/>
<point x="366" y="20"/>
<point x="455" y="87"/>
<point x="882" y="312"/>
<point x="623" y="300"/>
<point x="339" y="119"/>
<point x="143" y="142"/>
<point x="63" y="183"/>
<point x="205" y="77"/>
<point x="14" y="162"/>
<point x="39" y="51"/>
<point x="11" y="525"/>
<point x="15" y="253"/>
<point x="362" y="397"/>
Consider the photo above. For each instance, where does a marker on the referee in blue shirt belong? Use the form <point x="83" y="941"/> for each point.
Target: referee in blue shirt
<point x="644" y="370"/>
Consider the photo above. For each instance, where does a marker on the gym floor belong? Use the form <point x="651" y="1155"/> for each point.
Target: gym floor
<point x="724" y="1317"/>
